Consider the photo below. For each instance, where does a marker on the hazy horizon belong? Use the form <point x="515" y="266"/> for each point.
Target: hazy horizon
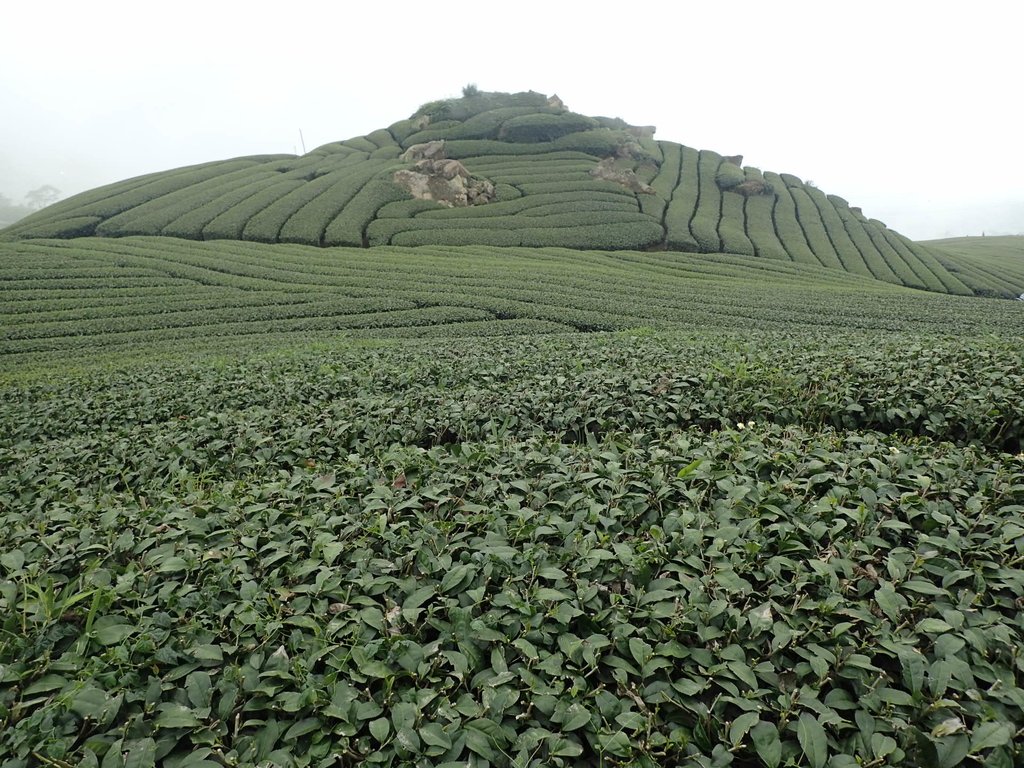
<point x="905" y="111"/>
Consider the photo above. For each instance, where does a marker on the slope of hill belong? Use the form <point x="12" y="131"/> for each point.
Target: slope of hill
<point x="507" y="170"/>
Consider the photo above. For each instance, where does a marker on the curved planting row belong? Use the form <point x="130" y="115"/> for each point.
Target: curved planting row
<point x="61" y="297"/>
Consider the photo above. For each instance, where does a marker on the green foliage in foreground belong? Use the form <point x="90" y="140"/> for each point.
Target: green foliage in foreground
<point x="770" y="550"/>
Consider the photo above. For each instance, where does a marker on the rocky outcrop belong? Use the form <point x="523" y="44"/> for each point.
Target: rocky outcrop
<point x="442" y="179"/>
<point x="430" y="150"/>
<point x="627" y="178"/>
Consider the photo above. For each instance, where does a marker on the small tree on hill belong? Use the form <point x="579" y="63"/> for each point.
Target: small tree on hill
<point x="43" y="196"/>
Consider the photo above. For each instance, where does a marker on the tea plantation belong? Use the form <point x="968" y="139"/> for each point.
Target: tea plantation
<point x="554" y="178"/>
<point x="307" y="472"/>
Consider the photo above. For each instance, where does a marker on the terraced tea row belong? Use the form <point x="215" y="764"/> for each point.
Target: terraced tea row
<point x="545" y="176"/>
<point x="75" y="297"/>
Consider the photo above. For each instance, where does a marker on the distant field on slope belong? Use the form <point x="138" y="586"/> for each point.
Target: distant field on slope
<point x="62" y="299"/>
<point x="986" y="262"/>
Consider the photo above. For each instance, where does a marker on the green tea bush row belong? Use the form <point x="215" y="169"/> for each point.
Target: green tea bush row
<point x="704" y="224"/>
<point x="635" y="235"/>
<point x="517" y="160"/>
<point x="360" y="143"/>
<point x="230" y="224"/>
<point x="192" y="223"/>
<point x="349" y="226"/>
<point x="732" y="225"/>
<point x="683" y="203"/>
<point x="475" y="236"/>
<point x="587" y="186"/>
<point x="265" y="226"/>
<point x="667" y="179"/>
<point x="527" y="202"/>
<point x="859" y="235"/>
<point x="760" y="226"/>
<point x="729" y="175"/>
<point x="599" y="143"/>
<point x="403" y="209"/>
<point x="514" y="222"/>
<point x="156" y="185"/>
<point x="111" y="199"/>
<point x="927" y="264"/>
<point x="907" y="275"/>
<point x="787" y="225"/>
<point x="153" y="215"/>
<point x="814" y="229"/>
<point x="309" y="223"/>
<point x="846" y="250"/>
<point x="381" y="138"/>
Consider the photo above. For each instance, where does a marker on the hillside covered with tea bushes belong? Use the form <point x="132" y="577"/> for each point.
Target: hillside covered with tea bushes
<point x="513" y="170"/>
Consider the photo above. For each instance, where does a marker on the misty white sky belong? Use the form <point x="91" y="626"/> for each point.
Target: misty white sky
<point x="910" y="109"/>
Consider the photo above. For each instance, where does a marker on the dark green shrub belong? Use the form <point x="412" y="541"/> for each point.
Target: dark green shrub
<point x="729" y="175"/>
<point x="543" y="127"/>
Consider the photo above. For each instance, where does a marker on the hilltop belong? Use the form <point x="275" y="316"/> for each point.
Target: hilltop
<point x="498" y="169"/>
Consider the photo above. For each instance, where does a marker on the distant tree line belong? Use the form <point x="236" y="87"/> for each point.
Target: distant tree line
<point x="41" y="197"/>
